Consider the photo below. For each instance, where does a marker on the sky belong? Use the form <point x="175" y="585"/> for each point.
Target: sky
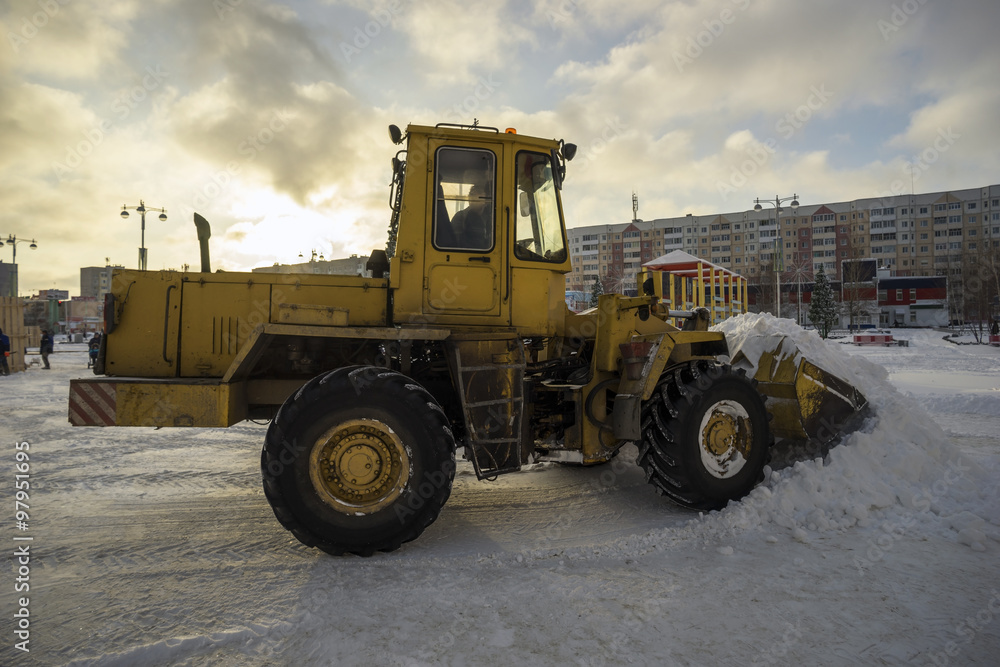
<point x="269" y="118"/>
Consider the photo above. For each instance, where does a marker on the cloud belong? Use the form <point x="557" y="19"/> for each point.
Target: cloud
<point x="459" y="41"/>
<point x="65" y="40"/>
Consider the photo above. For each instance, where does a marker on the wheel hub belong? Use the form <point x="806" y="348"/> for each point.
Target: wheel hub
<point x="720" y="433"/>
<point x="725" y="438"/>
<point x="359" y="466"/>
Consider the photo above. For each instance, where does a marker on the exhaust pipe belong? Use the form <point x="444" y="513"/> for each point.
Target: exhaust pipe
<point x="204" y="232"/>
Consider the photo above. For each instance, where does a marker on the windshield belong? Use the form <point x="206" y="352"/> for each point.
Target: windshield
<point x="539" y="235"/>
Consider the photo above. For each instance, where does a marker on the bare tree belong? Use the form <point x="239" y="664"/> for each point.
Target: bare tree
<point x="993" y="269"/>
<point x="765" y="289"/>
<point x="979" y="288"/>
<point x="800" y="276"/>
<point x="956" y="285"/>
<point x="859" y="298"/>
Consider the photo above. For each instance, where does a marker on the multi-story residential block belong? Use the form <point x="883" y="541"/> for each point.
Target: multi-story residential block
<point x="95" y="281"/>
<point x="930" y="234"/>
<point x="8" y="279"/>
<point x="347" y="266"/>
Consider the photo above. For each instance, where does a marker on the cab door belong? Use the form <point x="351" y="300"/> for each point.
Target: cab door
<point x="465" y="262"/>
<point x="538" y="238"/>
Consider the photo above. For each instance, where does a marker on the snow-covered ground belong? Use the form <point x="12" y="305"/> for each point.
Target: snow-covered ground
<point x="158" y="547"/>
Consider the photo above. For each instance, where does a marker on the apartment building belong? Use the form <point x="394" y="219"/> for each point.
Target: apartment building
<point x="95" y="281"/>
<point x="355" y="265"/>
<point x="911" y="235"/>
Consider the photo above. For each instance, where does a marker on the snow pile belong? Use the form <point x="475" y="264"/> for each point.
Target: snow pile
<point x="898" y="465"/>
<point x="753" y="333"/>
<point x="977" y="404"/>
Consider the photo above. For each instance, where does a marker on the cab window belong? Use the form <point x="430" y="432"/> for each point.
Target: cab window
<point x="464" y="203"/>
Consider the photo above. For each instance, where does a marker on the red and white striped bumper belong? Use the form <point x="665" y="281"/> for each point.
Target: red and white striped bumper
<point x="93" y="403"/>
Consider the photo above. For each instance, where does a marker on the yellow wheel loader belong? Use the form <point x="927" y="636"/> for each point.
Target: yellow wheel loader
<point x="459" y="341"/>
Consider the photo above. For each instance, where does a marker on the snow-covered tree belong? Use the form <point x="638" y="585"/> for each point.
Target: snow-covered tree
<point x="596" y="290"/>
<point x="822" y="307"/>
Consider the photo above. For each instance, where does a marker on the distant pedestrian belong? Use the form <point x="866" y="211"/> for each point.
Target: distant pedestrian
<point x="4" y="353"/>
<point x="93" y="348"/>
<point x="45" y="347"/>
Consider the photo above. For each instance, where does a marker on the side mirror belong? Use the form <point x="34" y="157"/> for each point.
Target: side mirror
<point x="569" y="151"/>
<point x="395" y="134"/>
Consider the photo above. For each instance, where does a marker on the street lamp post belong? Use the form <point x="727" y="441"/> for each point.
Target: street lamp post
<point x="12" y="241"/>
<point x="779" y="264"/>
<point x="141" y="208"/>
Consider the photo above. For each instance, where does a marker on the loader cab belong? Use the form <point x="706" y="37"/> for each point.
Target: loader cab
<point x="481" y="239"/>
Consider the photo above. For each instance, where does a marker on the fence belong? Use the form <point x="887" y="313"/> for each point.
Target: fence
<point x="12" y="323"/>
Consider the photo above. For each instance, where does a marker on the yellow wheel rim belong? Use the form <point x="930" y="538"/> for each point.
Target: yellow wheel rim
<point x="725" y="439"/>
<point x="359" y="467"/>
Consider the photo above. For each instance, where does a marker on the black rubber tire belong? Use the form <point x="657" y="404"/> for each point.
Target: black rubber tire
<point x="670" y="449"/>
<point x="339" y="397"/>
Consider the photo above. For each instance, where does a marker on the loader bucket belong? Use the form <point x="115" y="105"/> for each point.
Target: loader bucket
<point x="806" y="402"/>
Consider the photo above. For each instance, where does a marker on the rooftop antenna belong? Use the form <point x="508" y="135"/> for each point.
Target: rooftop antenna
<point x="635" y="206"/>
